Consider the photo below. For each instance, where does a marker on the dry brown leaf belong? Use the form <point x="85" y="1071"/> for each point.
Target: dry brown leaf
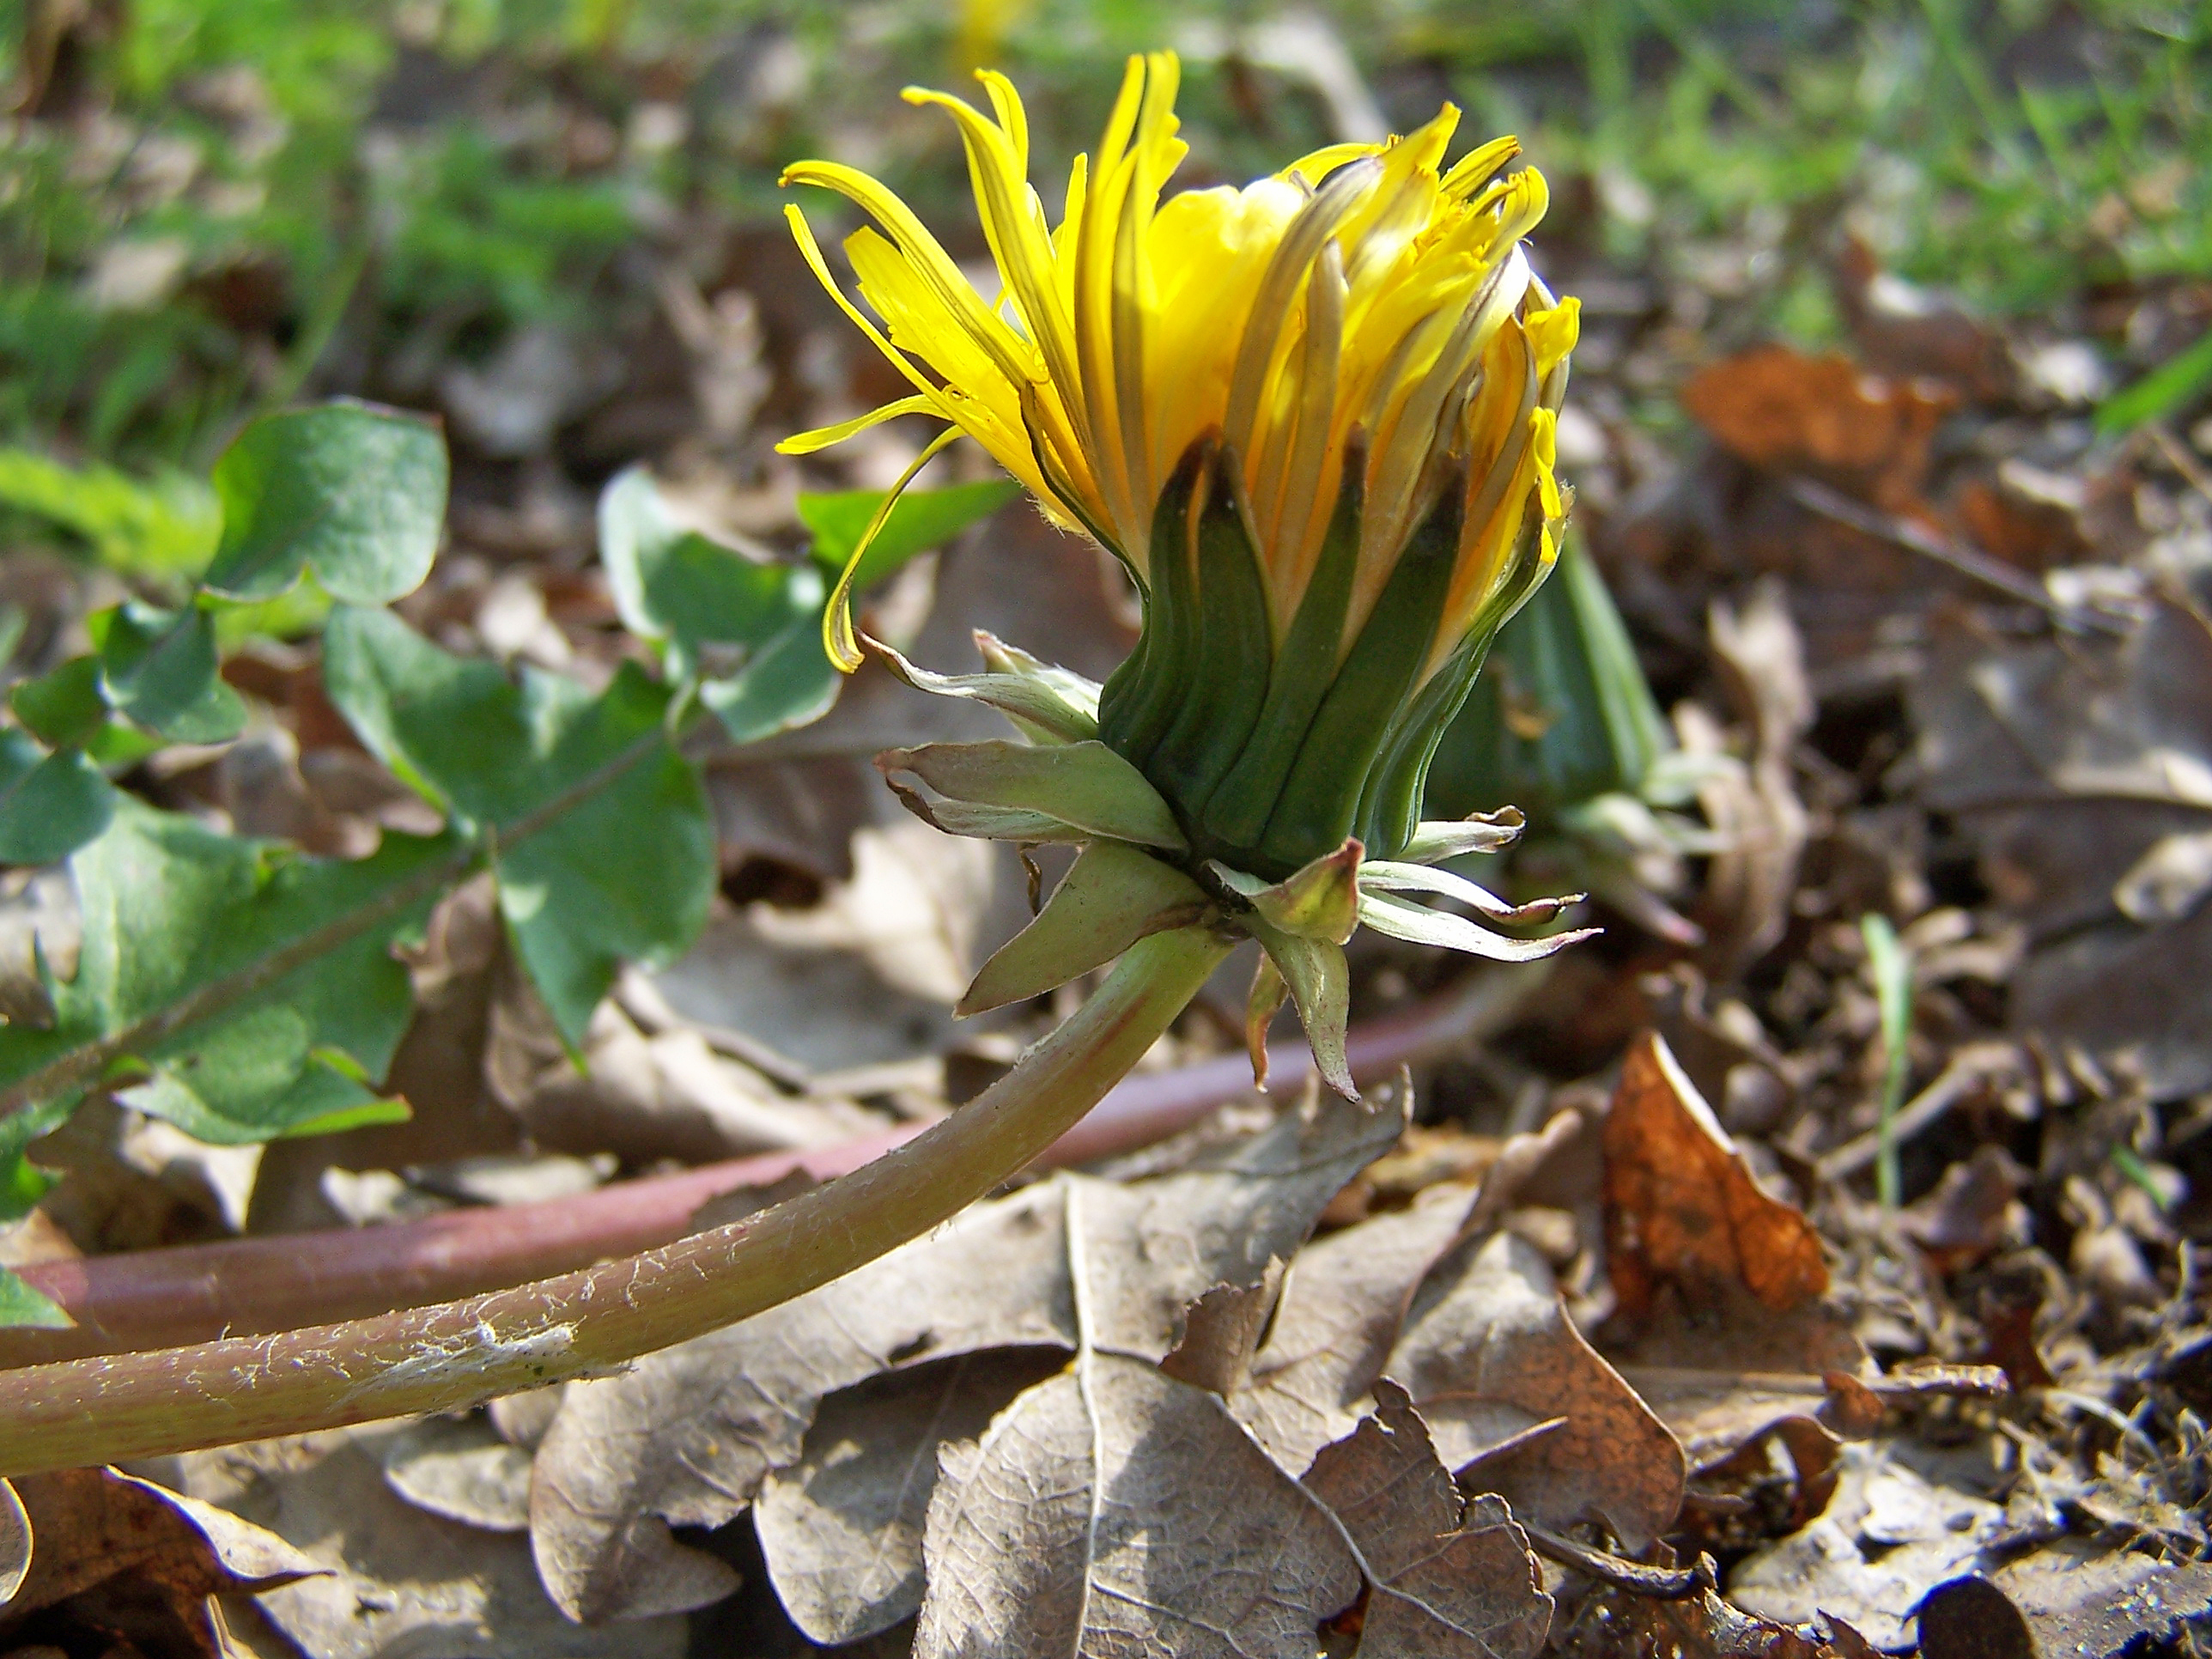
<point x="1687" y="1225"/>
<point x="1887" y="1539"/>
<point x="1776" y="407"/>
<point x="687" y="1435"/>
<point x="398" y="1581"/>
<point x="1723" y="1326"/>
<point x="1614" y="1623"/>
<point x="463" y="1469"/>
<point x="113" y="1559"/>
<point x="840" y="1529"/>
<point x="1114" y="1510"/>
<point x="1487" y="1331"/>
<point x="1447" y="1579"/>
<point x="1342" y="1302"/>
<point x="2083" y="770"/>
<point x="1757" y="819"/>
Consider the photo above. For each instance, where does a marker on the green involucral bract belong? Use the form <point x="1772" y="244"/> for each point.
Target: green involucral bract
<point x="1271" y="753"/>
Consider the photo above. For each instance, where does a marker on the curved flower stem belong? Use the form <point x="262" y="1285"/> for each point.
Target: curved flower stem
<point x="455" y="1354"/>
<point x="186" y="1294"/>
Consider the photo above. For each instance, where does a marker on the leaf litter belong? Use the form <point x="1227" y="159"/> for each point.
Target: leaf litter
<point x="1952" y="640"/>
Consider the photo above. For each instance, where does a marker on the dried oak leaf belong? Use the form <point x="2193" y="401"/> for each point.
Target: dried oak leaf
<point x="1722" y="1326"/>
<point x="1447" y="1579"/>
<point x="2082" y="770"/>
<point x="115" y="1560"/>
<point x="687" y="1435"/>
<point x="1682" y="1208"/>
<point x="1114" y="1510"/>
<point x="1503" y="1380"/>
<point x="398" y="1580"/>
<point x="840" y="1529"/>
<point x="1776" y="407"/>
<point x="1342" y="1302"/>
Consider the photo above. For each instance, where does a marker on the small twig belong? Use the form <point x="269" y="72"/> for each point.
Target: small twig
<point x="1659" y="1583"/>
<point x="1966" y="560"/>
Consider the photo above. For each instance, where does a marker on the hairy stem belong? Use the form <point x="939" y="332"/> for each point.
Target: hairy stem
<point x="458" y="1354"/>
<point x="244" y="1286"/>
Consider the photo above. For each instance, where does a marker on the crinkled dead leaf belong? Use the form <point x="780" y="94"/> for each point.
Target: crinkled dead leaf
<point x="686" y="1436"/>
<point x="1759" y="825"/>
<point x="841" y="1529"/>
<point x="1447" y="1579"/>
<point x="1616" y="1622"/>
<point x="1114" y="1511"/>
<point x="397" y="1580"/>
<point x="1887" y="1538"/>
<point x="112" y="1559"/>
<point x="1489" y="1355"/>
<point x="1723" y="1326"/>
<point x="463" y="1469"/>
<point x="1688" y="1227"/>
<point x="1341" y="1304"/>
<point x="2081" y="769"/>
<point x="1777" y="407"/>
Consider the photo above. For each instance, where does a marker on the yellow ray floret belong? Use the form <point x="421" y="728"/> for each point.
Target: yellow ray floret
<point x="1366" y="299"/>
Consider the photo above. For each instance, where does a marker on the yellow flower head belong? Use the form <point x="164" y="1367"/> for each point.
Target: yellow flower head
<point x="1314" y="418"/>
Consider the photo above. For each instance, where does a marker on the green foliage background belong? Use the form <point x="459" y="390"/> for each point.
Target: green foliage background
<point x="315" y="163"/>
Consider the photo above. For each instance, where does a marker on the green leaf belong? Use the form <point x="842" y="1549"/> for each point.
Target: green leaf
<point x="750" y="627"/>
<point x="22" y="1307"/>
<point x="164" y="528"/>
<point x="1891" y="965"/>
<point x="50" y="804"/>
<point x="257" y="1077"/>
<point x="677" y="587"/>
<point x="603" y="842"/>
<point x="353" y="493"/>
<point x="62" y="705"/>
<point x="922" y="519"/>
<point x="1417" y="924"/>
<point x="158" y="668"/>
<point x="1046" y="704"/>
<point x="1320" y="901"/>
<point x="1112" y="896"/>
<point x="788" y="683"/>
<point x="170" y="910"/>
<point x="23" y="1183"/>
<point x="1320" y="983"/>
<point x="2164" y="390"/>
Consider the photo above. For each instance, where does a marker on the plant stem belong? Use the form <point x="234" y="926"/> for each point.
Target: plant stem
<point x="456" y="1355"/>
<point x="244" y="1286"/>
